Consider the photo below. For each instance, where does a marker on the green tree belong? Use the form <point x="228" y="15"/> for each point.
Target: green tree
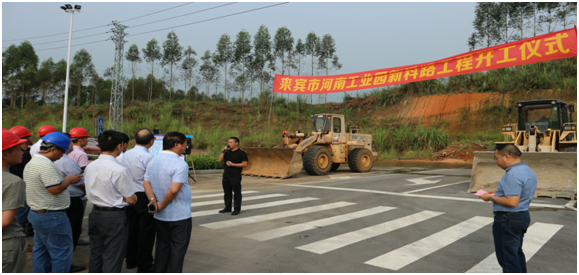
<point x="566" y="10"/>
<point x="208" y="69"/>
<point x="502" y="16"/>
<point x="172" y="54"/>
<point x="10" y="66"/>
<point x="28" y="61"/>
<point x="328" y="59"/>
<point x="520" y="12"/>
<point x="152" y="53"/>
<point x="549" y="18"/>
<point x="189" y="63"/>
<point x="243" y="57"/>
<point x="133" y="57"/>
<point x="283" y="44"/>
<point x="81" y="70"/>
<point x="485" y="25"/>
<point x="223" y="56"/>
<point x="262" y="52"/>
<point x="59" y="78"/>
<point x="44" y="76"/>
<point x="312" y="47"/>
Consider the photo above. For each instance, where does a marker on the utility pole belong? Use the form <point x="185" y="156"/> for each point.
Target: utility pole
<point x="116" y="108"/>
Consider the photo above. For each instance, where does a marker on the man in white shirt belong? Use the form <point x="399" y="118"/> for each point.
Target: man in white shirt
<point x="43" y="131"/>
<point x="124" y="147"/>
<point x="141" y="223"/>
<point x="109" y="189"/>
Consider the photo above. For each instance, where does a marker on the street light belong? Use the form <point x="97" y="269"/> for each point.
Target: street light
<point x="72" y="11"/>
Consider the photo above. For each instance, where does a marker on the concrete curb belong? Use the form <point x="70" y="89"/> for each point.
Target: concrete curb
<point x="215" y="171"/>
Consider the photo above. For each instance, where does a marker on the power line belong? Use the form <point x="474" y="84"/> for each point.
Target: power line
<point x="206" y="20"/>
<point x="181" y="15"/>
<point x="56" y="41"/>
<point x="211" y="19"/>
<point x="92" y="28"/>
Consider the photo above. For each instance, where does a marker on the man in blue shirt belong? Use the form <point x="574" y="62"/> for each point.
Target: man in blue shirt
<point x="511" y="208"/>
<point x="167" y="186"/>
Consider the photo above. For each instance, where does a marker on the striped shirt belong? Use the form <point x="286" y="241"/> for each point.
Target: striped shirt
<point x="39" y="174"/>
<point x="136" y="160"/>
<point x="164" y="169"/>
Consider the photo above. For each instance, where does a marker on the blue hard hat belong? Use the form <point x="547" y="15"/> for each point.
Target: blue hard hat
<point x="59" y="139"/>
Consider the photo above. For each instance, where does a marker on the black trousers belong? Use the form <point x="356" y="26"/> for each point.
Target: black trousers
<point x="229" y="185"/>
<point x="172" y="243"/>
<point x="75" y="215"/>
<point x="141" y="234"/>
<point x="108" y="240"/>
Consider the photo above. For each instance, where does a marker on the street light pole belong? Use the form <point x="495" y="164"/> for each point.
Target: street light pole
<point x="76" y="9"/>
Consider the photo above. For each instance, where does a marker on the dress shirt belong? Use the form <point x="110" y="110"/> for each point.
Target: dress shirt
<point x="107" y="182"/>
<point x="136" y="161"/>
<point x="163" y="170"/>
<point x="120" y="157"/>
<point x="35" y="148"/>
<point x="518" y="181"/>
<point x="79" y="156"/>
<point x="66" y="167"/>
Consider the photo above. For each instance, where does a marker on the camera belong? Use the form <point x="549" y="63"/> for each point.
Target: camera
<point x="189" y="146"/>
<point x="152" y="207"/>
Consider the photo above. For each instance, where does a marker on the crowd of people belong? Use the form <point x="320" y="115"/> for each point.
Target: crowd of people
<point x="137" y="199"/>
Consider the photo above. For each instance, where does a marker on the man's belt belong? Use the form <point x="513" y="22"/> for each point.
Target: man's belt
<point x="108" y="208"/>
<point x="505" y="212"/>
<point x="43" y="211"/>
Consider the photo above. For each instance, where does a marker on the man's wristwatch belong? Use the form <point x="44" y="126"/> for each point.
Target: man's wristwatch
<point x="491" y="198"/>
<point x="151" y="199"/>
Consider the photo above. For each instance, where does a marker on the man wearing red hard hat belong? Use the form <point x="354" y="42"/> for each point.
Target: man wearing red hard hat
<point x="43" y="131"/>
<point x="18" y="169"/>
<point x="79" y="137"/>
<point x="13" y="196"/>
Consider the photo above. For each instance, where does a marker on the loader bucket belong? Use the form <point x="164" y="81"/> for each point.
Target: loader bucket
<point x="272" y="162"/>
<point x="556" y="173"/>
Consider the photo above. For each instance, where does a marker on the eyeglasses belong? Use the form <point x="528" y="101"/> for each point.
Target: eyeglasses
<point x="499" y="157"/>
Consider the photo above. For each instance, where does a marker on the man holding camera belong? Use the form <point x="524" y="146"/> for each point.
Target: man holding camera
<point x="235" y="159"/>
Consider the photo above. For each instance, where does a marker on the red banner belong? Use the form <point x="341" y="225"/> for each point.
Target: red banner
<point x="551" y="46"/>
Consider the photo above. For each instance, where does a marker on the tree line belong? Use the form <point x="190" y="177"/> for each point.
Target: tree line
<point x="502" y="22"/>
<point x="229" y="73"/>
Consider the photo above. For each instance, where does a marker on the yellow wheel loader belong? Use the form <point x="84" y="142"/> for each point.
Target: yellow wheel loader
<point x="547" y="137"/>
<point x="329" y="145"/>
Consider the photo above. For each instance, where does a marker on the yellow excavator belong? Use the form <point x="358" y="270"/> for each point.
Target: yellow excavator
<point x="547" y="136"/>
<point x="329" y="146"/>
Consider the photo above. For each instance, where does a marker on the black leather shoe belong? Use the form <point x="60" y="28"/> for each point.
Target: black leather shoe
<point x="224" y="210"/>
<point x="77" y="268"/>
<point x="235" y="212"/>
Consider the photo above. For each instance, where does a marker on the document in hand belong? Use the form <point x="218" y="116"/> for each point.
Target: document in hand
<point x="480" y="192"/>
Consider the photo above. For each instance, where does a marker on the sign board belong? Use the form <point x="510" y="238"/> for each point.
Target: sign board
<point x="100" y="125"/>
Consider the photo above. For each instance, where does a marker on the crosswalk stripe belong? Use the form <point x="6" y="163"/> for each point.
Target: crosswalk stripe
<point x="410" y="253"/>
<point x="537" y="235"/>
<point x="201" y="203"/>
<point x="292" y="229"/>
<point x="255" y="206"/>
<point x="220" y="195"/>
<point x="327" y="245"/>
<point x="273" y="216"/>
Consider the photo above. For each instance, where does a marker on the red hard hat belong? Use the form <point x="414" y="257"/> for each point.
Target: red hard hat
<point x="20" y="131"/>
<point x="46" y="129"/>
<point x="10" y="140"/>
<point x="78" y="132"/>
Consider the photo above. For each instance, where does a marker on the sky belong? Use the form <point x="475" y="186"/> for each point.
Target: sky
<point x="369" y="36"/>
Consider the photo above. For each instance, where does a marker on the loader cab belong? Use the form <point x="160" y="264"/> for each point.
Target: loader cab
<point x="543" y="114"/>
<point x="329" y="123"/>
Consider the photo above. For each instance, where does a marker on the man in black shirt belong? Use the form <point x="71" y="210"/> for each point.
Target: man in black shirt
<point x="235" y="159"/>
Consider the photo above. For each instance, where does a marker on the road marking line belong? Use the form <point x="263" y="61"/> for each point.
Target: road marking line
<point x="273" y="216"/>
<point x="434" y="187"/>
<point x="255" y="206"/>
<point x="292" y="229"/>
<point x="220" y="195"/>
<point x="416" y="195"/>
<point x="410" y="253"/>
<point x="333" y="243"/>
<point x="201" y="203"/>
<point x="423" y="180"/>
<point x="537" y="235"/>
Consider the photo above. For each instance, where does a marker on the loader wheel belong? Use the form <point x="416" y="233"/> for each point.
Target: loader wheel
<point x="360" y="160"/>
<point x="335" y="166"/>
<point x="317" y="160"/>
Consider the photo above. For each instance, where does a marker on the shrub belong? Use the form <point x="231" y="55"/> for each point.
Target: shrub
<point x="204" y="162"/>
